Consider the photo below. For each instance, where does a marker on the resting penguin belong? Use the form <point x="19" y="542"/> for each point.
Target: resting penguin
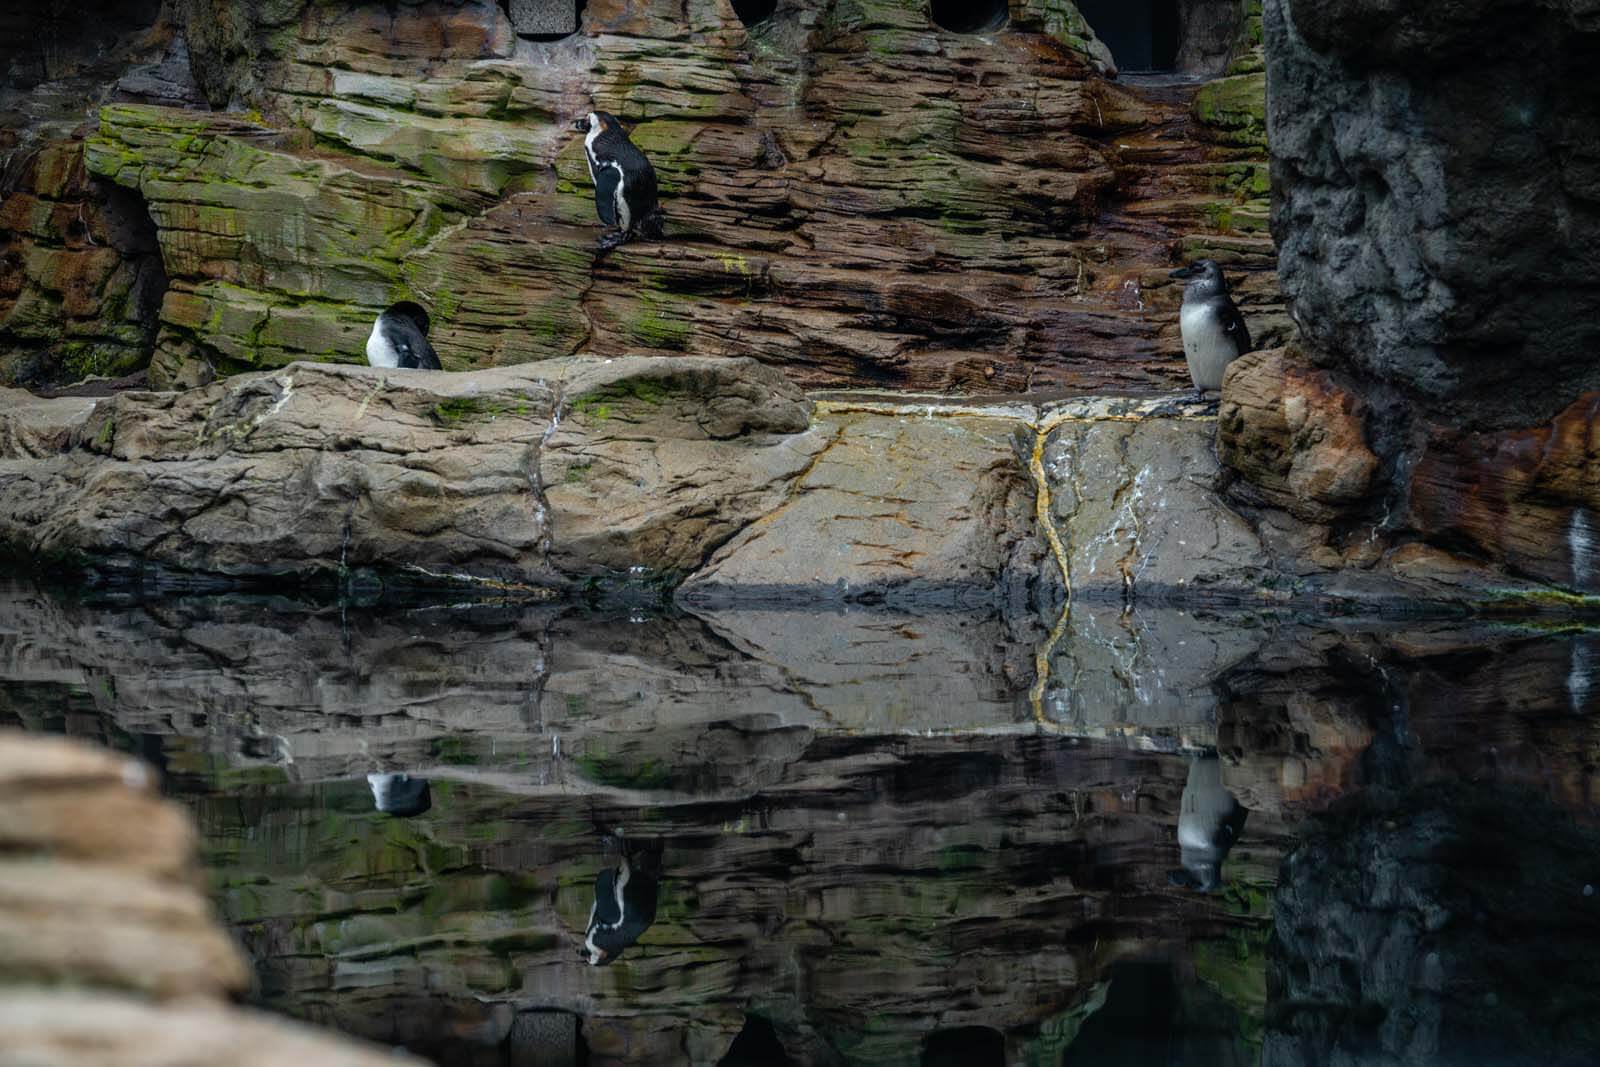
<point x="624" y="181"/>
<point x="1214" y="333"/>
<point x="399" y="338"/>
<point x="624" y="903"/>
<point x="400" y="794"/>
<point x="1209" y="822"/>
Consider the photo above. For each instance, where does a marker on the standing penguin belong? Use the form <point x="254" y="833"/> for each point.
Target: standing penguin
<point x="1214" y="333"/>
<point x="624" y="181"/>
<point x="399" y="338"/>
<point x="624" y="903"/>
<point x="1209" y="822"/>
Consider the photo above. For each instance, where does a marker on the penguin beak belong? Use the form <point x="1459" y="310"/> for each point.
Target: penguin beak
<point x="1185" y="272"/>
<point x="580" y="125"/>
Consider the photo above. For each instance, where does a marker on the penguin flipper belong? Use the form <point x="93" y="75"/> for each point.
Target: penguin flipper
<point x="427" y="358"/>
<point x="1233" y="325"/>
<point x="410" y="347"/>
<point x="606" y="181"/>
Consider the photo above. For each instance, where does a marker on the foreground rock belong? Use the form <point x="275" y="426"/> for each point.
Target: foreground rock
<point x="99" y="893"/>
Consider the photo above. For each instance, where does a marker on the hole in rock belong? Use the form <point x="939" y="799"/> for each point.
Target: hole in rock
<point x="1163" y="36"/>
<point x="966" y="1046"/>
<point x="753" y="12"/>
<point x="970" y="16"/>
<point x="756" y="1046"/>
<point x="1142" y="34"/>
<point x="545" y="20"/>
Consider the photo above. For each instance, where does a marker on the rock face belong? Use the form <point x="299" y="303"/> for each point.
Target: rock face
<point x="1388" y="943"/>
<point x="529" y="476"/>
<point x="109" y="952"/>
<point x="1432" y="420"/>
<point x="854" y="194"/>
<point x="1427" y="241"/>
<point x="591" y="469"/>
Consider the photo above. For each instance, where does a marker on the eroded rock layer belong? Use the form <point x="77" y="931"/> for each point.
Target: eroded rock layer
<point x="854" y="193"/>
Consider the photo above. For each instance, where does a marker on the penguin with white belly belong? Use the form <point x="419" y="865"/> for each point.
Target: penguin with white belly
<point x="399" y="338"/>
<point x="624" y="181"/>
<point x="400" y="795"/>
<point x="624" y="902"/>
<point x="1214" y="333"/>
<point x="1209" y="823"/>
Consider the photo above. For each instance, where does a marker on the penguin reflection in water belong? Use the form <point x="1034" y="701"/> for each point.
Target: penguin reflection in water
<point x="1214" y="333"/>
<point x="399" y="338"/>
<point x="1209" y="822"/>
<point x="400" y="795"/>
<point x="624" y="181"/>
<point x="624" y="901"/>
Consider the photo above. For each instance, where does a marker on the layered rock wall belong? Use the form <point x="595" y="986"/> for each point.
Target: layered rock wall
<point x="854" y="194"/>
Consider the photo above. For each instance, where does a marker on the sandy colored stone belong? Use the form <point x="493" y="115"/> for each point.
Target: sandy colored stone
<point x="86" y="1029"/>
<point x="30" y="426"/>
<point x="1298" y="434"/>
<point x="892" y="505"/>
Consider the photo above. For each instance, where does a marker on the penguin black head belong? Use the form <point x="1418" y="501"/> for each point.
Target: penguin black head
<point x="1202" y="272"/>
<point x="406" y="309"/>
<point x="598" y="122"/>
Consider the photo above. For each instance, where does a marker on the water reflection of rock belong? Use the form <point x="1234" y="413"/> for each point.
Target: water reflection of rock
<point x="877" y="836"/>
<point x="1438" y="924"/>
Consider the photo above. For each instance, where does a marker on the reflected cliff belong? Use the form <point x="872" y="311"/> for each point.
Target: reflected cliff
<point x="861" y="836"/>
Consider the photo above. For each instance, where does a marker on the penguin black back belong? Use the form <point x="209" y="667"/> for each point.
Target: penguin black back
<point x="399" y="338"/>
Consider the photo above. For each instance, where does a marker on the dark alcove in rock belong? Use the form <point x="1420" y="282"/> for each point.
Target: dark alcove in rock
<point x="754" y="12"/>
<point x="1186" y="36"/>
<point x="756" y="1046"/>
<point x="970" y="16"/>
<point x="966" y="1046"/>
<point x="545" y="20"/>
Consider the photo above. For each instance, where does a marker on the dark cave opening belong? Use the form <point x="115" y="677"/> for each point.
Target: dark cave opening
<point x="1142" y="34"/>
<point x="1165" y="36"/>
<point x="965" y="1046"/>
<point x="756" y="1046"/>
<point x="754" y="12"/>
<point x="970" y="16"/>
<point x="545" y="20"/>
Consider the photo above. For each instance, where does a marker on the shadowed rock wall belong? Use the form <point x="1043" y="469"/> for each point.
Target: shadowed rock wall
<point x="1435" y="200"/>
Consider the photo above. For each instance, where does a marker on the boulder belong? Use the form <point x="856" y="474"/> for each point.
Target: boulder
<point x="531" y="476"/>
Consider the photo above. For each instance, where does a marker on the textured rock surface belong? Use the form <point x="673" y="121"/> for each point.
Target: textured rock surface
<point x="1390" y="941"/>
<point x="80" y="274"/>
<point x="1428" y="238"/>
<point x="574" y="468"/>
<point x="853" y="194"/>
<point x="109" y="951"/>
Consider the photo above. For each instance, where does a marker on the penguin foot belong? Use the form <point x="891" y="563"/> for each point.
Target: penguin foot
<point x="607" y="241"/>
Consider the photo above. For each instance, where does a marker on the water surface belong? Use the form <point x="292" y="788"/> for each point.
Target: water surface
<point x="867" y="836"/>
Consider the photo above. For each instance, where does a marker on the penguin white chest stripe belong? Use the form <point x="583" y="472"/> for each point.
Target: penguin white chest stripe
<point x="624" y="215"/>
<point x="380" y="353"/>
<point x="1206" y="345"/>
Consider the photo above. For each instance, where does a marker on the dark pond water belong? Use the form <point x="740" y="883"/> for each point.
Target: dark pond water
<point x="868" y="836"/>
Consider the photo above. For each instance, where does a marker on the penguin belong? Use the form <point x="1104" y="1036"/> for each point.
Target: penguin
<point x="1214" y="333"/>
<point x="624" y="181"/>
<point x="400" y="795"/>
<point x="624" y="903"/>
<point x="1209" y="822"/>
<point x="399" y="338"/>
